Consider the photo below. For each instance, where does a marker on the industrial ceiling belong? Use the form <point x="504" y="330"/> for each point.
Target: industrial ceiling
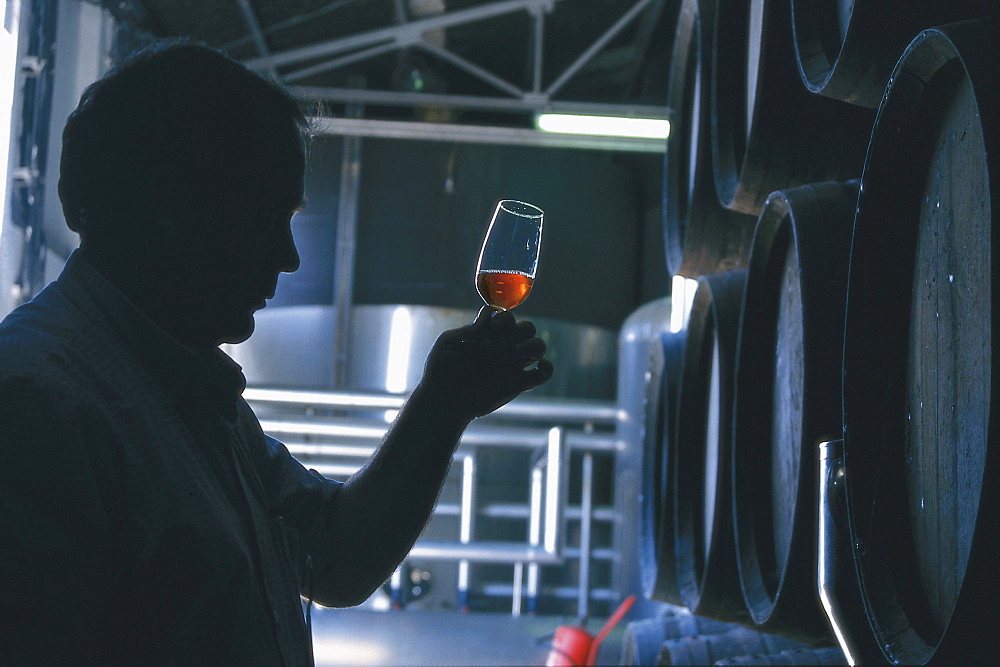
<point x="467" y="61"/>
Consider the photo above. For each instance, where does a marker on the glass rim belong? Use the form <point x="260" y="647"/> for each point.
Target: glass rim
<point x="503" y="204"/>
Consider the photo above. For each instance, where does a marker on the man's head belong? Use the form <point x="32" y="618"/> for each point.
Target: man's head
<point x="180" y="171"/>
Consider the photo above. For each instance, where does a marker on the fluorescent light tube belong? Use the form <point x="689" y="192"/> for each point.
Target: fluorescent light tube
<point x="606" y="126"/>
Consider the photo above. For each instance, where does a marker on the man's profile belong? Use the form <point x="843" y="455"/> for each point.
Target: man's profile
<point x="144" y="515"/>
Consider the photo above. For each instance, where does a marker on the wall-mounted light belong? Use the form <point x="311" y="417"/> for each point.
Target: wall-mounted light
<point x="603" y="126"/>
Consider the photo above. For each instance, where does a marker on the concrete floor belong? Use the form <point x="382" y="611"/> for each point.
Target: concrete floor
<point x="426" y="637"/>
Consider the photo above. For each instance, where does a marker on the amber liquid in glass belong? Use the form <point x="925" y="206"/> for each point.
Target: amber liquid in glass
<point x="502" y="289"/>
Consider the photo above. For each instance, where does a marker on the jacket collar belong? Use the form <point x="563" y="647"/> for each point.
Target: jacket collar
<point x="191" y="377"/>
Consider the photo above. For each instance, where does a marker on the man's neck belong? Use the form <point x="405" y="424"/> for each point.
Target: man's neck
<point x="147" y="288"/>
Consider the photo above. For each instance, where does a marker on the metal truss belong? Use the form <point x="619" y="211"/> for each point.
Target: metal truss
<point x="335" y="53"/>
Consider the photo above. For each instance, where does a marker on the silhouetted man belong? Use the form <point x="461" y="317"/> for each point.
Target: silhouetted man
<point x="145" y="517"/>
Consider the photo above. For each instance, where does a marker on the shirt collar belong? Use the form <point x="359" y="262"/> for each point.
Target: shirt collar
<point x="189" y="376"/>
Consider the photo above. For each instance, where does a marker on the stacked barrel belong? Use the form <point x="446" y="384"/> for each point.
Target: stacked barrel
<point x="829" y="183"/>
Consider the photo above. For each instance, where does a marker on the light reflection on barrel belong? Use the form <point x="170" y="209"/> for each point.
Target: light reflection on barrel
<point x="703" y="536"/>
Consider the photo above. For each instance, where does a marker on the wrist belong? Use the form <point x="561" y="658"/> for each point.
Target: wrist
<point x="426" y="402"/>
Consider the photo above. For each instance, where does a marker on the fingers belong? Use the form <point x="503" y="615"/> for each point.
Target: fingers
<point x="538" y="375"/>
<point x="524" y="330"/>
<point x="531" y="349"/>
<point x="503" y="325"/>
<point x="485" y="364"/>
<point x="499" y="335"/>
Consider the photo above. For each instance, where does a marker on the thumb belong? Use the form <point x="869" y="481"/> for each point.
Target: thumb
<point x="483" y="316"/>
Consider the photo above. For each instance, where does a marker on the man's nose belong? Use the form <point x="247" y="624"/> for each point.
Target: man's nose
<point x="286" y="256"/>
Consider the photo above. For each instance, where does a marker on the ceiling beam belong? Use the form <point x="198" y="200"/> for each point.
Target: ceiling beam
<point x="361" y="46"/>
<point x="526" y="104"/>
<point x="287" y="23"/>
<point x="471" y="68"/>
<point x="601" y="42"/>
<point x="478" y="134"/>
<point x="327" y="65"/>
<point x="253" y="25"/>
<point x="641" y="44"/>
<point x="403" y="35"/>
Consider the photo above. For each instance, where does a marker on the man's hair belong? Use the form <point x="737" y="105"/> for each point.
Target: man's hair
<point x="162" y="133"/>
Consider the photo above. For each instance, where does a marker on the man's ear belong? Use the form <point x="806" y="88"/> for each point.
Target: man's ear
<point x="75" y="218"/>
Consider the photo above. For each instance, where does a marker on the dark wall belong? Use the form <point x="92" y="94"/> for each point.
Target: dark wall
<point x="315" y="230"/>
<point x="425" y="206"/>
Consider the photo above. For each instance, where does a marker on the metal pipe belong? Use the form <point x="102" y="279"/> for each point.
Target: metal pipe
<point x="518" y="589"/>
<point x="561" y="409"/>
<point x="533" y="102"/>
<point x="347" y="223"/>
<point x="506" y="437"/>
<point x="483" y="552"/>
<point x="402" y="35"/>
<point x="587" y="508"/>
<point x="596" y="46"/>
<point x="515" y="511"/>
<point x="643" y="35"/>
<point x="395" y="588"/>
<point x="287" y="23"/>
<point x="554" y="409"/>
<point x="603" y="554"/>
<point x="448" y="509"/>
<point x="326" y="66"/>
<point x="341" y="429"/>
<point x="534" y="534"/>
<point x="467" y="513"/>
<point x="470" y="67"/>
<point x="482" y="134"/>
<point x="555" y="491"/>
<point x="253" y="25"/>
<point x="329" y="450"/>
<point x="466" y="525"/>
<point x="502" y="590"/>
<point x="334" y="470"/>
<point x="536" y="61"/>
<point x="333" y="399"/>
<point x="834" y="558"/>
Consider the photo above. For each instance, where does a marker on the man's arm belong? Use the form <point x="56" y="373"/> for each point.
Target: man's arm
<point x="380" y="511"/>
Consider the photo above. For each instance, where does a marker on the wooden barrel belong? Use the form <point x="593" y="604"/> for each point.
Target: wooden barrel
<point x="768" y="132"/>
<point x="704" y="550"/>
<point x="920" y="355"/>
<point x="788" y="397"/>
<point x="847" y="49"/>
<point x="642" y="639"/>
<point x="658" y="573"/>
<point x="797" y="657"/>
<point x="707" y="649"/>
<point x="700" y="235"/>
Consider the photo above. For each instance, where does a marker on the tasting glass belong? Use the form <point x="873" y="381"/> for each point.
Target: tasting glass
<point x="509" y="256"/>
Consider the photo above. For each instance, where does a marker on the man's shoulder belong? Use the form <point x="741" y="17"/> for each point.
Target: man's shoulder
<point x="41" y="335"/>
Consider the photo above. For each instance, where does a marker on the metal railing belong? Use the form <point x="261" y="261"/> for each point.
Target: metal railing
<point x="337" y="444"/>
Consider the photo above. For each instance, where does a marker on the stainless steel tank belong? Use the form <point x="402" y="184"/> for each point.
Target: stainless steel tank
<point x="639" y="334"/>
<point x="293" y="347"/>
